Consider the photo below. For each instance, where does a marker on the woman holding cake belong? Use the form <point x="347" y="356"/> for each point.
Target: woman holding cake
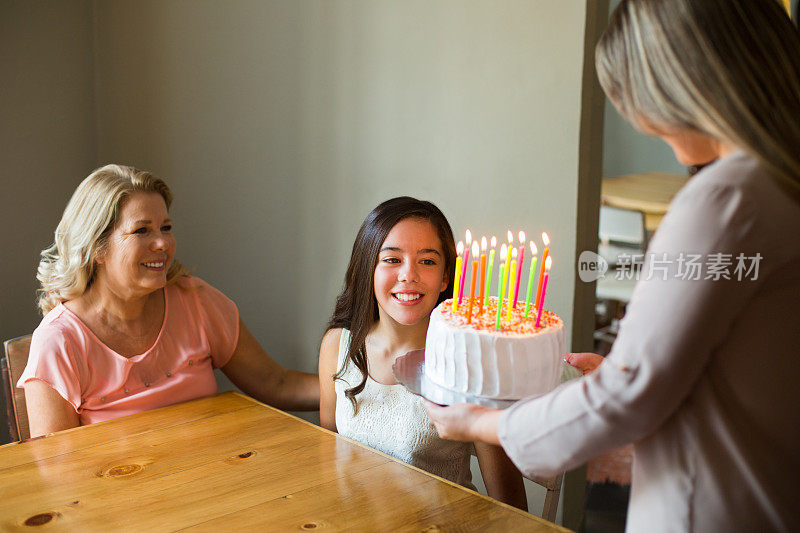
<point x="702" y="377"/>
<point x="125" y="328"/>
<point x="397" y="275"/>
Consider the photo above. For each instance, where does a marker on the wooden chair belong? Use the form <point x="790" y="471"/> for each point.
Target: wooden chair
<point x="553" y="486"/>
<point x="13" y="363"/>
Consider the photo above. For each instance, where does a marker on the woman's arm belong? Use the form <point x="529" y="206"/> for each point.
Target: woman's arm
<point x="328" y="356"/>
<point x="48" y="412"/>
<point x="502" y="479"/>
<point x="465" y="422"/>
<point x="257" y="374"/>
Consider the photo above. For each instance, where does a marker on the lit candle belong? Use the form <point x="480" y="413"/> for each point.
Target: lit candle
<point x="546" y="241"/>
<point x="519" y="266"/>
<point x="500" y="285"/>
<point x="472" y="286"/>
<point x="548" y="263"/>
<point x="456" y="277"/>
<point x="464" y="267"/>
<point x="508" y="261"/>
<point x="489" y="275"/>
<point x="506" y="269"/>
<point x="530" y="279"/>
<point x="483" y="274"/>
<point x="513" y="270"/>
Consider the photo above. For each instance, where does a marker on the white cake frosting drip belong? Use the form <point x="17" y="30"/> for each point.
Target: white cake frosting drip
<point x="493" y="365"/>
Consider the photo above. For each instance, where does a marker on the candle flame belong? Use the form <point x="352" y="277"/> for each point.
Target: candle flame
<point x="545" y="239"/>
<point x="460" y="248"/>
<point x="494" y="241"/>
<point x="513" y="253"/>
<point x="469" y="237"/>
<point x="510" y="238"/>
<point x="548" y="263"/>
<point x="475" y="250"/>
<point x="522" y="237"/>
<point x="533" y="248"/>
<point x="483" y="244"/>
<point x="503" y="252"/>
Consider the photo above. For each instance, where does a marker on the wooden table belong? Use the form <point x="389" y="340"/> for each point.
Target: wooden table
<point x="650" y="193"/>
<point x="229" y="463"/>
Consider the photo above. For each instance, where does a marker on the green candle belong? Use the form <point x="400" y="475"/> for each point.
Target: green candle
<point x="530" y="286"/>
<point x="489" y="278"/>
<point x="501" y="286"/>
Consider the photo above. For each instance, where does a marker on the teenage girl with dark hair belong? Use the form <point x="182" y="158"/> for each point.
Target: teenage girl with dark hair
<point x="398" y="273"/>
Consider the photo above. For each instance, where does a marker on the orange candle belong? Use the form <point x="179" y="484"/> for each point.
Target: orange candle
<point x="472" y="286"/>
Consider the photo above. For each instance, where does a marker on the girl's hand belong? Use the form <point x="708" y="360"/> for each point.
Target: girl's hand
<point x="585" y="362"/>
<point x="465" y="422"/>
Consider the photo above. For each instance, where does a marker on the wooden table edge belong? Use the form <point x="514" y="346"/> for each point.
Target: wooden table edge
<point x="404" y="464"/>
<point x="150" y="430"/>
<point x="467" y="492"/>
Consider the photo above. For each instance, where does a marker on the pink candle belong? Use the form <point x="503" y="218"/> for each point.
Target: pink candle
<point x="483" y="275"/>
<point x="546" y="241"/>
<point x="519" y="266"/>
<point x="464" y="268"/>
<point x="548" y="263"/>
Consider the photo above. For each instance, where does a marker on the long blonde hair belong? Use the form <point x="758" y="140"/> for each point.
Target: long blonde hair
<point x="67" y="267"/>
<point x="729" y="69"/>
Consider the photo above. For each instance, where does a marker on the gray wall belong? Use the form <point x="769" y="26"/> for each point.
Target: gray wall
<point x="47" y="141"/>
<point x="280" y="125"/>
<point x="626" y="151"/>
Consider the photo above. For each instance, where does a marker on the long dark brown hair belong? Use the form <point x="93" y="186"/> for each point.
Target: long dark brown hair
<point x="356" y="307"/>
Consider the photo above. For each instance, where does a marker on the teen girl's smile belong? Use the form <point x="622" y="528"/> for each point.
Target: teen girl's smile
<point x="410" y="274"/>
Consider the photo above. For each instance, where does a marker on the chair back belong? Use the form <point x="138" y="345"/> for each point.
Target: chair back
<point x="553" y="486"/>
<point x="620" y="231"/>
<point x="13" y="363"/>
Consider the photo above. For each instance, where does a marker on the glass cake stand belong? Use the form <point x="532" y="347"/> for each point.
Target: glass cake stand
<point x="409" y="371"/>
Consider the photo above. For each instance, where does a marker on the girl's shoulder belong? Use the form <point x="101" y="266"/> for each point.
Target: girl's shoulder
<point x="329" y="350"/>
<point x="332" y="338"/>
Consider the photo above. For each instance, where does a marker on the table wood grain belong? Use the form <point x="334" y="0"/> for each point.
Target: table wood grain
<point x="229" y="463"/>
<point x="650" y="193"/>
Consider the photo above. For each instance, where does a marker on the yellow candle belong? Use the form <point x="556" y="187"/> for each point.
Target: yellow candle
<point x="513" y="270"/>
<point x="457" y="274"/>
<point x="505" y="278"/>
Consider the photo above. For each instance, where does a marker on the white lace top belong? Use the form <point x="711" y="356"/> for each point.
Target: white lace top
<point x="394" y="421"/>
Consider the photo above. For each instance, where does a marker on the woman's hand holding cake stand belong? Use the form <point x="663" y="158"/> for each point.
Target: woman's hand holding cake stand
<point x="468" y="422"/>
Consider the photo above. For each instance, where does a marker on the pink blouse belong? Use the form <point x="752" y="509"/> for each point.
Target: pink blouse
<point x="199" y="333"/>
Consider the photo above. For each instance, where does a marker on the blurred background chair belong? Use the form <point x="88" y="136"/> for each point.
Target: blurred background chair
<point x="11" y="365"/>
<point x="621" y="232"/>
<point x="622" y="243"/>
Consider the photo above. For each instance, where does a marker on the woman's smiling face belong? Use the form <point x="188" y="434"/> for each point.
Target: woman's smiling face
<point x="410" y="272"/>
<point x="140" y="248"/>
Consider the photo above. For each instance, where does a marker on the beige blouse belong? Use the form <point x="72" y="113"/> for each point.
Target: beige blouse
<point x="703" y="378"/>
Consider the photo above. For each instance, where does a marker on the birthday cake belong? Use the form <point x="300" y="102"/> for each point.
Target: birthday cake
<point x="470" y="355"/>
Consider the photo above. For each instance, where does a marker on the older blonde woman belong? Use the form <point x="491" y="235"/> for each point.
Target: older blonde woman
<point x="125" y="328"/>
<point x="703" y="376"/>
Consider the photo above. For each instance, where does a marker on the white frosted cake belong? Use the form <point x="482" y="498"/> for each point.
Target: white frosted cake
<point x="472" y="356"/>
